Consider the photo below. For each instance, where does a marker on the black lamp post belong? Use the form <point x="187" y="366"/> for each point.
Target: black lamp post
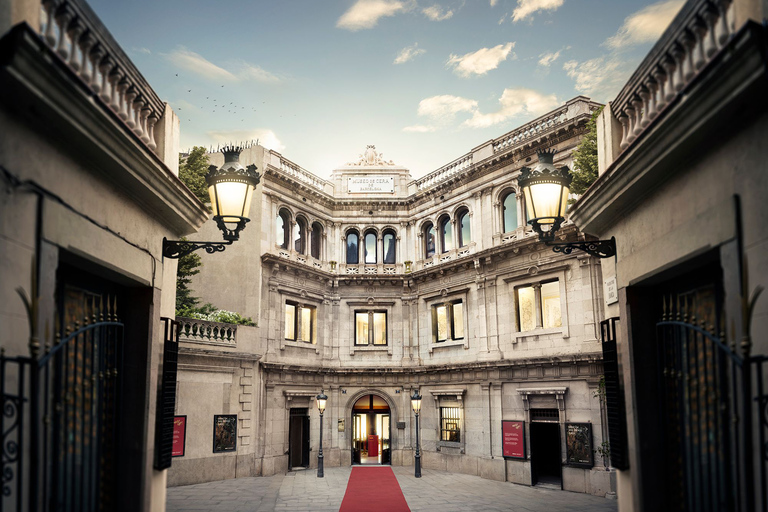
<point x="321" y="398"/>
<point x="416" y="404"/>
<point x="546" y="192"/>
<point x="231" y="189"/>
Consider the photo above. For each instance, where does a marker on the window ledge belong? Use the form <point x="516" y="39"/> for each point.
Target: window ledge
<point x="534" y="334"/>
<point x="300" y="344"/>
<point x="454" y="447"/>
<point x="370" y="348"/>
<point x="445" y="344"/>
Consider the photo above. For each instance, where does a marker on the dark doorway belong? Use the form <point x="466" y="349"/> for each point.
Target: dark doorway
<point x="371" y="425"/>
<point x="545" y="453"/>
<point x="298" y="439"/>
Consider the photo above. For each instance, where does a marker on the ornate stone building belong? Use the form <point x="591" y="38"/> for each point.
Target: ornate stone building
<point x="370" y="285"/>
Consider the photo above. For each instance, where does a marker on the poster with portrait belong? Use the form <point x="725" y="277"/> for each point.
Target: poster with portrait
<point x="578" y="445"/>
<point x="224" y="433"/>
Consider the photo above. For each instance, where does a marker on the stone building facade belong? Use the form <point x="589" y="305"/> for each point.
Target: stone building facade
<point x="370" y="285"/>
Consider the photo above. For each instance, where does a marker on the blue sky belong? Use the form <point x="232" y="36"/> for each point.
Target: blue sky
<point x="425" y="81"/>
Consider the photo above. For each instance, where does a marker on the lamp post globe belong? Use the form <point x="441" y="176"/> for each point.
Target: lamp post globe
<point x="321" y="399"/>
<point x="416" y="405"/>
<point x="231" y="189"/>
<point x="546" y="190"/>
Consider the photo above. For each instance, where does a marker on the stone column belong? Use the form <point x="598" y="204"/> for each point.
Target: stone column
<point x="537" y="295"/>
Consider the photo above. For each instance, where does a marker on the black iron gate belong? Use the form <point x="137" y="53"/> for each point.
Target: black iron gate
<point x="708" y="401"/>
<point x="60" y="413"/>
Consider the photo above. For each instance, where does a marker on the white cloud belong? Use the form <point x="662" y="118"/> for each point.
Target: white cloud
<point x="196" y="63"/>
<point x="266" y="138"/>
<point x="546" y="59"/>
<point x="599" y="78"/>
<point x="249" y="71"/>
<point x="436" y="13"/>
<point x="366" y="13"/>
<point x="494" y="2"/>
<point x="145" y="51"/>
<point x="443" y="108"/>
<point x="526" y="8"/>
<point x="408" y="53"/>
<point x="419" y="128"/>
<point x="515" y="102"/>
<point x="481" y="61"/>
<point x="645" y="26"/>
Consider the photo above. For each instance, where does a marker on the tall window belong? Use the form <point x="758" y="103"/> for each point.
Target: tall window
<point x="450" y="424"/>
<point x="538" y="306"/>
<point x="370" y="247"/>
<point x="282" y="223"/>
<point x="300" y="322"/>
<point x="510" y="212"/>
<point x="353" y="255"/>
<point x="446" y="235"/>
<point x="389" y="242"/>
<point x="300" y="236"/>
<point x="429" y="240"/>
<point x="370" y="328"/>
<point x="317" y="235"/>
<point x="448" y="321"/>
<point x="465" y="236"/>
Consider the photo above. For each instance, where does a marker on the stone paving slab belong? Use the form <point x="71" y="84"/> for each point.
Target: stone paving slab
<point x="436" y="491"/>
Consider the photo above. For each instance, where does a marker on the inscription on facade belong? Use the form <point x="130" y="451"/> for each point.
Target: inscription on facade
<point x="368" y="184"/>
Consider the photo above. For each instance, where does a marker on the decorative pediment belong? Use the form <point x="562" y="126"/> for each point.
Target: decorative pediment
<point x="371" y="157"/>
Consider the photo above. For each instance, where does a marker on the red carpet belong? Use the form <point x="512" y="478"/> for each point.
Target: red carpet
<point x="373" y="490"/>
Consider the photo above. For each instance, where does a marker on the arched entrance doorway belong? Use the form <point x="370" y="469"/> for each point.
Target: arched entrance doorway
<point x="371" y="427"/>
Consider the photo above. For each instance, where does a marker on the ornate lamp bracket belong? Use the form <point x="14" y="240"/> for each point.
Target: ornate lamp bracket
<point x="597" y="248"/>
<point x="175" y="249"/>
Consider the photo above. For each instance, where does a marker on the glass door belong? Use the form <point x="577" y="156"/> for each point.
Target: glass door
<point x="386" y="454"/>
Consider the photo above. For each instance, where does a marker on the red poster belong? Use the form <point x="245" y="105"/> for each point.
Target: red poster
<point x="513" y="441"/>
<point x="179" y="436"/>
<point x="373" y="446"/>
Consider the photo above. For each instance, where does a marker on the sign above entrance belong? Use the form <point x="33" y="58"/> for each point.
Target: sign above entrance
<point x="369" y="184"/>
<point x="513" y="439"/>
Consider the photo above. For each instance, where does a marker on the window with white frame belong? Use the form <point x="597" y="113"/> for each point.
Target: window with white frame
<point x="300" y="322"/>
<point x="370" y="327"/>
<point x="538" y="306"/>
<point x="448" y="321"/>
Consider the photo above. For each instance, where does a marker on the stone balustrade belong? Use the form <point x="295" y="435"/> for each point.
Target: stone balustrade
<point x="445" y="172"/>
<point x="698" y="32"/>
<point x="202" y="331"/>
<point x="530" y="130"/>
<point x="282" y="165"/>
<point x="77" y="35"/>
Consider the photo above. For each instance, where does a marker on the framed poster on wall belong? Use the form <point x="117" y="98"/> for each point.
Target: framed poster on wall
<point x="179" y="436"/>
<point x="224" y="433"/>
<point x="513" y="439"/>
<point x="578" y="445"/>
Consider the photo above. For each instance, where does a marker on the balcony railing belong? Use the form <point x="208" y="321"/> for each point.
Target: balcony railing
<point x="282" y="165"/>
<point x="698" y="32"/>
<point x="529" y="130"/>
<point x="445" y="172"/>
<point x="202" y="331"/>
<point x="77" y="35"/>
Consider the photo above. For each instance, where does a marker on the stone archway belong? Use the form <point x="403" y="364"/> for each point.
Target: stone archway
<point x="374" y="423"/>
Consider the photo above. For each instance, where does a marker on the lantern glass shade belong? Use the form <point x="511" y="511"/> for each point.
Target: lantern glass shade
<point x="546" y="201"/>
<point x="321" y="399"/>
<point x="416" y="402"/>
<point x="231" y="197"/>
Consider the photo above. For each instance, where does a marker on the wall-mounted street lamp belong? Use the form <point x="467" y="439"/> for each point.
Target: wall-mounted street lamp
<point x="546" y="192"/>
<point x="231" y="189"/>
<point x="416" y="405"/>
<point x="321" y="399"/>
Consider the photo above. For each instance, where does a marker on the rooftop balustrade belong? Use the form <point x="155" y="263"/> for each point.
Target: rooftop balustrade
<point x="203" y="331"/>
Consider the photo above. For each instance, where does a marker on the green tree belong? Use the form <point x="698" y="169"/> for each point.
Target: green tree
<point x="585" y="158"/>
<point x="192" y="171"/>
<point x="189" y="266"/>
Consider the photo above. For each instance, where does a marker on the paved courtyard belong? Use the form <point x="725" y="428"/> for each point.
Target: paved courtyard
<point x="435" y="491"/>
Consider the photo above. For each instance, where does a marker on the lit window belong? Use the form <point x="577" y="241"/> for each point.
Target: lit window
<point x="510" y="212"/>
<point x="370" y="328"/>
<point x="465" y="235"/>
<point x="429" y="240"/>
<point x="353" y="254"/>
<point x="450" y="424"/>
<point x="370" y="247"/>
<point x="448" y="321"/>
<point x="446" y="235"/>
<point x="389" y="242"/>
<point x="538" y="306"/>
<point x="300" y="322"/>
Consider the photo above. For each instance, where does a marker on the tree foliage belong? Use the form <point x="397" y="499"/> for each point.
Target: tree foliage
<point x="189" y="266"/>
<point x="192" y="171"/>
<point x="585" y="158"/>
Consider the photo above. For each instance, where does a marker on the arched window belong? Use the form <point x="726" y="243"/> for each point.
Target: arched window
<point x="389" y="242"/>
<point x="370" y="247"/>
<point x="281" y="224"/>
<point x="353" y="254"/>
<point x="465" y="235"/>
<point x="300" y="236"/>
<point x="510" y="212"/>
<point x="429" y="240"/>
<point x="317" y="234"/>
<point x="446" y="234"/>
